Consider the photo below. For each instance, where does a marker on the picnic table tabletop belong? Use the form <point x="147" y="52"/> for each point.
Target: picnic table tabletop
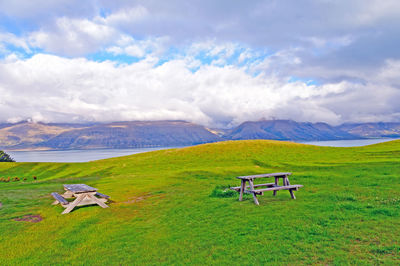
<point x="263" y="175"/>
<point x="80" y="188"/>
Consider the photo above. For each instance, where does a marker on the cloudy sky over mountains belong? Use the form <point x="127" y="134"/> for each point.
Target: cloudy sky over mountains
<point x="217" y="63"/>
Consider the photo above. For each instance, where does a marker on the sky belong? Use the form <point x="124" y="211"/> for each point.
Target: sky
<point x="216" y="63"/>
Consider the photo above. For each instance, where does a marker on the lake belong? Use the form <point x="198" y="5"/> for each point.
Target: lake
<point x="348" y="143"/>
<point x="91" y="155"/>
<point x="70" y="156"/>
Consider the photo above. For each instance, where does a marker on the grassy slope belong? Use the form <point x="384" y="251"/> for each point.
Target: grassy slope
<point x="348" y="211"/>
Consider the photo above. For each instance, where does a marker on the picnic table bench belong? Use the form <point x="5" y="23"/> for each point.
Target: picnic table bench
<point x="259" y="189"/>
<point x="83" y="194"/>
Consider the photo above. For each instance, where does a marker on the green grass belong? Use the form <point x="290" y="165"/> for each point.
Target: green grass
<point x="169" y="207"/>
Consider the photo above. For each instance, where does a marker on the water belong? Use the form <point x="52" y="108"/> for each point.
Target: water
<point x="69" y="156"/>
<point x="91" y="155"/>
<point x="348" y="143"/>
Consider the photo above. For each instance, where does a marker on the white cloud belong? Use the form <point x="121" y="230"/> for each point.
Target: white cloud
<point x="125" y="15"/>
<point x="7" y="38"/>
<point x="390" y="73"/>
<point x="81" y="36"/>
<point x="41" y="10"/>
<point x="127" y="45"/>
<point x="51" y="88"/>
<point x="73" y="37"/>
<point x="372" y="11"/>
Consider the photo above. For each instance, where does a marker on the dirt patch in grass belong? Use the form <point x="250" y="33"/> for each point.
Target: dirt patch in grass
<point x="29" y="218"/>
<point x="136" y="199"/>
<point x="1" y="205"/>
<point x="158" y="194"/>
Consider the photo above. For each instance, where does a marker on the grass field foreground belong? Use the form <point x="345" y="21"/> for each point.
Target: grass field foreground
<point x="165" y="210"/>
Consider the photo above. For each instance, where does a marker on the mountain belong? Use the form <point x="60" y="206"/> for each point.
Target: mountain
<point x="373" y="130"/>
<point x="287" y="130"/>
<point x="3" y="125"/>
<point x="132" y="135"/>
<point x="25" y="134"/>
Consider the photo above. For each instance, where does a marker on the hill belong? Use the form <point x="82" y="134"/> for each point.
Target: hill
<point x="287" y="130"/>
<point x="132" y="135"/>
<point x="27" y="134"/>
<point x="165" y="211"/>
<point x="373" y="130"/>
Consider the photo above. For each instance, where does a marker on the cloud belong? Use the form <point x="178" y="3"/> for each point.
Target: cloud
<point x="329" y="35"/>
<point x="123" y="16"/>
<point x="126" y="45"/>
<point x="211" y="62"/>
<point x="7" y="39"/>
<point x="40" y="11"/>
<point x="51" y="88"/>
<point x="73" y="37"/>
<point x="70" y="36"/>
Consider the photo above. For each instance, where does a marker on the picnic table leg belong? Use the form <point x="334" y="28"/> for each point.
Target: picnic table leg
<point x="292" y="194"/>
<point x="96" y="200"/>
<point x="254" y="194"/>
<point x="290" y="190"/>
<point x="276" y="184"/>
<point x="242" y="188"/>
<point x="73" y="204"/>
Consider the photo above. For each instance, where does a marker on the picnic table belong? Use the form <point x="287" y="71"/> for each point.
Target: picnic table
<point x="83" y="194"/>
<point x="259" y="189"/>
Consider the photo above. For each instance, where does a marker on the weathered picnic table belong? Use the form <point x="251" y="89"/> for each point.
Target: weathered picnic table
<point x="83" y="194"/>
<point x="251" y="188"/>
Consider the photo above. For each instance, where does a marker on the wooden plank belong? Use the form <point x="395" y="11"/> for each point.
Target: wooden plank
<point x="292" y="194"/>
<point x="251" y="192"/>
<point x="59" y="198"/>
<point x="290" y="190"/>
<point x="254" y="194"/>
<point x="242" y="187"/>
<point x="98" y="201"/>
<point x="89" y="201"/>
<point x="276" y="188"/>
<point x="276" y="184"/>
<point x="263" y="175"/>
<point x="287" y="181"/>
<point x="258" y="185"/>
<point x="73" y="204"/>
<point x="79" y="188"/>
<point x="68" y="194"/>
<point x="101" y="195"/>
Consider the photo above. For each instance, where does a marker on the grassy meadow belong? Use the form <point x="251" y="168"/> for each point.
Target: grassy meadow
<point x="168" y="207"/>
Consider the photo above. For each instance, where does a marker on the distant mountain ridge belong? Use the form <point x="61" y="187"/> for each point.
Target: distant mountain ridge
<point x="373" y="130"/>
<point x="134" y="134"/>
<point x="287" y="130"/>
<point x="114" y="135"/>
<point x="26" y="134"/>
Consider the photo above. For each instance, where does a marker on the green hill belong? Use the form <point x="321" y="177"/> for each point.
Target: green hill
<point x="164" y="211"/>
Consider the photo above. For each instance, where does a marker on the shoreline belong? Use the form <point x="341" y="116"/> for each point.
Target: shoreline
<point x="37" y="149"/>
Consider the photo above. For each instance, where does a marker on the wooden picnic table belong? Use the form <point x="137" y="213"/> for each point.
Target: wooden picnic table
<point x="83" y="194"/>
<point x="251" y="188"/>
